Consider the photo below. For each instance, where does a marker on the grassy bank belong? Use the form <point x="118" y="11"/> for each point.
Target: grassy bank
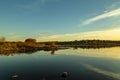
<point x="32" y="45"/>
<point x="17" y="46"/>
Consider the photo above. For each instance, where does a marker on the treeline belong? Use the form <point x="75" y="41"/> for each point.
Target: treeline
<point x="32" y="45"/>
<point x="27" y="45"/>
<point x="89" y="43"/>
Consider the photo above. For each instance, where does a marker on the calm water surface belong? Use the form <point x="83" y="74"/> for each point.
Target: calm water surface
<point x="81" y="64"/>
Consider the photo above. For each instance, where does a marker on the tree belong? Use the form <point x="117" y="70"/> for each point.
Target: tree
<point x="30" y="40"/>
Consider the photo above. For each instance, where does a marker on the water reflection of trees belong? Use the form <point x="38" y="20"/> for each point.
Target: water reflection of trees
<point x="52" y="51"/>
<point x="12" y="53"/>
<point x="92" y="47"/>
<point x="49" y="50"/>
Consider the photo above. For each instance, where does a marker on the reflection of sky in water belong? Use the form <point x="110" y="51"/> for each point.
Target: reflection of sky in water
<point x="103" y="52"/>
<point x="103" y="72"/>
<point x="82" y="64"/>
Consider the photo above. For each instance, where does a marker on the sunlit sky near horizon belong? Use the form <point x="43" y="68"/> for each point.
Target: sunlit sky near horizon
<point x="60" y="20"/>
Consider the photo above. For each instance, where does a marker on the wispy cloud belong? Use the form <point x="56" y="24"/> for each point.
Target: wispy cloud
<point x="114" y="6"/>
<point x="36" y="4"/>
<point x="109" y="14"/>
<point x="33" y="5"/>
<point x="110" y="34"/>
<point x="103" y="72"/>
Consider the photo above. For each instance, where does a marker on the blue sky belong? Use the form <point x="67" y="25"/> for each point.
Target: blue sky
<point x="55" y="20"/>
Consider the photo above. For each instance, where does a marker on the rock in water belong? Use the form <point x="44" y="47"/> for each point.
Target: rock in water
<point x="44" y="78"/>
<point x="64" y="75"/>
<point x="15" y="77"/>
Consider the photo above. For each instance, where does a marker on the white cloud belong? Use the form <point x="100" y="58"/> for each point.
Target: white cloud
<point x="103" y="72"/>
<point x="36" y="4"/>
<point x="109" y="14"/>
<point x="114" y="6"/>
<point x="33" y="5"/>
<point x="110" y="34"/>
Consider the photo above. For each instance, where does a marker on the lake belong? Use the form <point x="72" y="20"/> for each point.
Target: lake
<point x="80" y="64"/>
